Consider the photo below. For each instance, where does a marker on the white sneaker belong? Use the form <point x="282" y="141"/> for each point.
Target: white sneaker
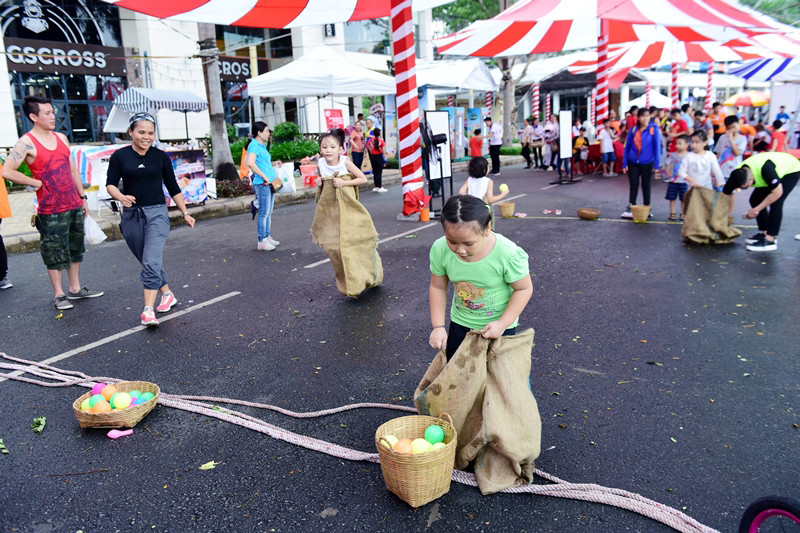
<point x="272" y="241"/>
<point x="797" y="236"/>
<point x="382" y="189"/>
<point x="265" y="246"/>
<point x="376" y="189"/>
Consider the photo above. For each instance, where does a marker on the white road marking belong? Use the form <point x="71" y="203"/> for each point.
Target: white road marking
<point x="121" y="334"/>
<point x="409" y="232"/>
<point x="550" y="186"/>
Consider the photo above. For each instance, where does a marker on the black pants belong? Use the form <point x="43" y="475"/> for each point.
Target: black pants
<point x="3" y="258"/>
<point x="457" y="333"/>
<point x="494" y="152"/>
<point x="526" y="153"/>
<point x="358" y="158"/>
<point x="377" y="169"/>
<point x="538" y="157"/>
<point x="635" y="172"/>
<point x="769" y="219"/>
<point x="553" y="156"/>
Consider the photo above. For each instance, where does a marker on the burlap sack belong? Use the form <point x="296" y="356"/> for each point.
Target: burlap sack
<point x="706" y="217"/>
<point x="486" y="390"/>
<point x="344" y="229"/>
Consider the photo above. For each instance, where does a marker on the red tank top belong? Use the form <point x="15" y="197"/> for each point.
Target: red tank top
<point x="52" y="168"/>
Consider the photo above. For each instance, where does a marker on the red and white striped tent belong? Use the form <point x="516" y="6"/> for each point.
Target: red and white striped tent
<point x="538" y="26"/>
<point x="294" y="13"/>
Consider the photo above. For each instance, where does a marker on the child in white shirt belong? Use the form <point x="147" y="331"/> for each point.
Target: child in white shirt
<point x="478" y="184"/>
<point x="700" y="167"/>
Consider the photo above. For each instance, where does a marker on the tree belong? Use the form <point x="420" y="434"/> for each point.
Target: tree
<point x="221" y="158"/>
<point x="786" y="11"/>
<point x="461" y="13"/>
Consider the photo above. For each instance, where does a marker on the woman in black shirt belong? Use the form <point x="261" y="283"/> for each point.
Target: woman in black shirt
<point x="143" y="169"/>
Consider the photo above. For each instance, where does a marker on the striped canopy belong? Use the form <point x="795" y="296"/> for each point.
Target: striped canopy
<point x="538" y="26"/>
<point x="135" y="100"/>
<point x="768" y="69"/>
<point x="268" y="13"/>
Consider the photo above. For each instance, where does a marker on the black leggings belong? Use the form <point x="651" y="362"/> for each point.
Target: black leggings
<point x="457" y="333"/>
<point x="3" y="258"/>
<point x="635" y="171"/>
<point x="538" y="158"/>
<point x="526" y="153"/>
<point x="377" y="169"/>
<point x="769" y="219"/>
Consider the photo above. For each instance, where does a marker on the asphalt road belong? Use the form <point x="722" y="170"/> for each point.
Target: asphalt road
<point x="665" y="370"/>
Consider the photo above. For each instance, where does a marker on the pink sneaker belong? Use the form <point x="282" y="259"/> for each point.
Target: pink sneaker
<point x="167" y="301"/>
<point x="149" y="318"/>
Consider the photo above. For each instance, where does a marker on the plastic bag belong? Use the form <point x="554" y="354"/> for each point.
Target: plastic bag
<point x="92" y="234"/>
<point x="286" y="174"/>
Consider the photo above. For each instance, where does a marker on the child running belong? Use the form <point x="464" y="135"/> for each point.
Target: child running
<point x="677" y="187"/>
<point x="700" y="167"/>
<point x="332" y="160"/>
<point x="489" y="272"/>
<point x="478" y="185"/>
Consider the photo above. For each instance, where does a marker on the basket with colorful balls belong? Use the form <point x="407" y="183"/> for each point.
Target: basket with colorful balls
<point x="116" y="405"/>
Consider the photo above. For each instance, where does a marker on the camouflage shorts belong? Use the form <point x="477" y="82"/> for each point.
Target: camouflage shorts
<point x="61" y="239"/>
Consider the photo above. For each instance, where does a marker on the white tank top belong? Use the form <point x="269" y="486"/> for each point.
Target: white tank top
<point x="477" y="187"/>
<point x="326" y="170"/>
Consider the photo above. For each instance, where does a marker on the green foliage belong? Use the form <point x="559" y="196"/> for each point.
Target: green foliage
<point x="511" y="150"/>
<point x="516" y="141"/>
<point x="787" y="11"/>
<point x="392" y="162"/>
<point x="286" y="131"/>
<point x="231" y="132"/>
<point x="293" y="150"/>
<point x="236" y="149"/>
<point x="22" y="168"/>
<point x="233" y="188"/>
<point x="461" y="13"/>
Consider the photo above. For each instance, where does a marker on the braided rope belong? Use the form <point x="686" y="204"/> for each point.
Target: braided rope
<point x="198" y="404"/>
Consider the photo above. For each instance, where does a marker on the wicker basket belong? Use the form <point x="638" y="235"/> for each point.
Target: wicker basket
<point x="640" y="212"/>
<point x="419" y="478"/>
<point x="123" y="418"/>
<point x="588" y="214"/>
<point x="506" y="209"/>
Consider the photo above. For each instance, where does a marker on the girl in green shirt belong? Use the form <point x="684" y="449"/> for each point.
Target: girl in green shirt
<point x="490" y="275"/>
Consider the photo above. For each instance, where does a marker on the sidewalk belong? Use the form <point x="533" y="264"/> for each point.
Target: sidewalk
<point x="19" y="236"/>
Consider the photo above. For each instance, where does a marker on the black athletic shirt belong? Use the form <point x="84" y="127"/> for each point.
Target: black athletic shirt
<point x="142" y="175"/>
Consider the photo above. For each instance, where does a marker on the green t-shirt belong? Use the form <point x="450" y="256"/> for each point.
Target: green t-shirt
<point x="482" y="288"/>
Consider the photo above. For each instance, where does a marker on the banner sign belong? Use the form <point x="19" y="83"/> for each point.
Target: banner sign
<point x="24" y="55"/>
<point x="334" y="119"/>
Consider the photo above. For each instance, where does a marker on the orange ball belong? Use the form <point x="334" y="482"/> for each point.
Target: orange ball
<point x="403" y="446"/>
<point x="108" y="391"/>
<point x="102" y="407"/>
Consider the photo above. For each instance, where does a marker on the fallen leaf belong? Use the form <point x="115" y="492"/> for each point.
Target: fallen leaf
<point x="673" y="439"/>
<point x="206" y="466"/>
<point x="59" y="316"/>
<point x="38" y="424"/>
<point x="410" y="237"/>
<point x="3" y="448"/>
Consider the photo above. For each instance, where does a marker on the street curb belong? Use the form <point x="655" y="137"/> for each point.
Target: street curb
<point x="224" y="207"/>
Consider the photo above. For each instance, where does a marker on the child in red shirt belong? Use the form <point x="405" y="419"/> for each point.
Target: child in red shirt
<point x="476" y="144"/>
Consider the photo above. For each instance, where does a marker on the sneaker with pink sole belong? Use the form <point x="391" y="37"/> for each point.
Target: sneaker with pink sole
<point x="167" y="301"/>
<point x="149" y="318"/>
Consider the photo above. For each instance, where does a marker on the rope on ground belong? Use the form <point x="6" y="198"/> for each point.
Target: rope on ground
<point x="200" y="405"/>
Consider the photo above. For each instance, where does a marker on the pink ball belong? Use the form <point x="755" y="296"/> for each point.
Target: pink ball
<point x="97" y="388"/>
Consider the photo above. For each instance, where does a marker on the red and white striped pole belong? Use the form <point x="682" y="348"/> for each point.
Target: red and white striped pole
<point x="593" y="107"/>
<point x="450" y="101"/>
<point x="547" y="107"/>
<point x="709" y="88"/>
<point x="673" y="88"/>
<point x="602" y="72"/>
<point x="647" y="90"/>
<point x="407" y="106"/>
<point x="489" y="103"/>
<point x="535" y="100"/>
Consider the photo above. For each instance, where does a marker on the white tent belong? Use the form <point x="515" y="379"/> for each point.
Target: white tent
<point x="136" y="99"/>
<point x="656" y="99"/>
<point x="321" y="72"/>
<point x="463" y="74"/>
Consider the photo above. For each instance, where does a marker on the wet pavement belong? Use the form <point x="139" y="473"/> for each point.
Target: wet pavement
<point x="667" y="370"/>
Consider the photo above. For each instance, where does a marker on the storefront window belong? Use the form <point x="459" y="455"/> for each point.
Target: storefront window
<point x="76" y="88"/>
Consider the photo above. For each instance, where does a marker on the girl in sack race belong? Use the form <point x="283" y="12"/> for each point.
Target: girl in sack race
<point x="482" y="370"/>
<point x="342" y="226"/>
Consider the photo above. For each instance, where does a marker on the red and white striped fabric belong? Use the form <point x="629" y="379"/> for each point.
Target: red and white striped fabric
<point x="709" y="89"/>
<point x="537" y="26"/>
<point x="647" y="90"/>
<point x="267" y="13"/>
<point x="535" y="100"/>
<point x="673" y="88"/>
<point x="547" y="107"/>
<point x="450" y="100"/>
<point x="489" y="103"/>
<point x="593" y="107"/>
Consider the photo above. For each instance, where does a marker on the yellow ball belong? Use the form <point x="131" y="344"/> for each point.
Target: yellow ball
<point x="389" y="441"/>
<point x="420" y="446"/>
<point x="438" y="446"/>
<point x="503" y="187"/>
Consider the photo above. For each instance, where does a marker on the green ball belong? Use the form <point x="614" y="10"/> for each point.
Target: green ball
<point x="434" y="434"/>
<point x="135" y="393"/>
<point x="147" y="396"/>
<point x="94" y="399"/>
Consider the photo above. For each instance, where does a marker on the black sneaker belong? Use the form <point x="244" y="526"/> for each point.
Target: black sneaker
<point x="763" y="246"/>
<point x="61" y="302"/>
<point x="83" y="293"/>
<point x="755" y="238"/>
